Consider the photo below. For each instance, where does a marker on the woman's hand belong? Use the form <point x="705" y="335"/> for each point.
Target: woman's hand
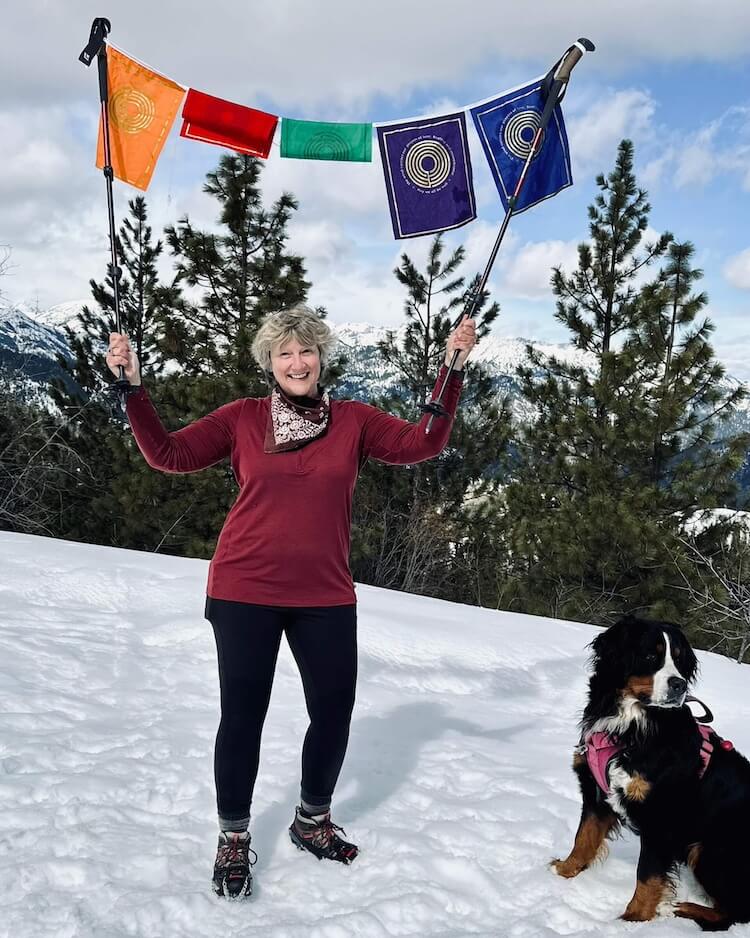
<point x="120" y="353"/>
<point x="462" y="339"/>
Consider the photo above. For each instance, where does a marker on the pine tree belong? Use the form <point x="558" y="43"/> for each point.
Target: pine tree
<point x="93" y="427"/>
<point x="685" y="382"/>
<point x="598" y="302"/>
<point x="243" y="272"/>
<point x="36" y="465"/>
<point x="620" y="451"/>
<point x="143" y="300"/>
<point x="410" y="524"/>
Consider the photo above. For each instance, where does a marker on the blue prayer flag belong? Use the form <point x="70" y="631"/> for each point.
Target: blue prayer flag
<point x="506" y="126"/>
<point x="427" y="174"/>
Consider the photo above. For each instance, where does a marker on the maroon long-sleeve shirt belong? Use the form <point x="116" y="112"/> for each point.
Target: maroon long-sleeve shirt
<point x="285" y="541"/>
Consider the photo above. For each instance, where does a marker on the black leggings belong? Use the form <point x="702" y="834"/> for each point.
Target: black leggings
<point x="323" y="640"/>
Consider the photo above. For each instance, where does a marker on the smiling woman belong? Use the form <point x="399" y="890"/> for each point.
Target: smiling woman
<point x="281" y="564"/>
<point x="293" y="348"/>
<point x="296" y="367"/>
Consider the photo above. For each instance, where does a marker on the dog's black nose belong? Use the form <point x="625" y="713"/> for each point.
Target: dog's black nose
<point x="677" y="684"/>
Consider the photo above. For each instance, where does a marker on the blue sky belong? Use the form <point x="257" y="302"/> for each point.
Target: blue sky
<point x="668" y="76"/>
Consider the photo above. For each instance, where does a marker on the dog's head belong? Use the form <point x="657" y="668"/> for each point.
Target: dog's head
<point x="641" y="663"/>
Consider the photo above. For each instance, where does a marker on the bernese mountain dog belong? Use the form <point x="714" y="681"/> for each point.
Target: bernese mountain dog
<point x="645" y="763"/>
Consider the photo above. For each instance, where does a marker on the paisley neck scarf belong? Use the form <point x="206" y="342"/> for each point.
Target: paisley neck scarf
<point x="295" y="422"/>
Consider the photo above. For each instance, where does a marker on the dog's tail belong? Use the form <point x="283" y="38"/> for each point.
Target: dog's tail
<point x="709" y="919"/>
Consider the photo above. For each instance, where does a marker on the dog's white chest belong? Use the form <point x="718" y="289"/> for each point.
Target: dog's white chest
<point x="619" y="782"/>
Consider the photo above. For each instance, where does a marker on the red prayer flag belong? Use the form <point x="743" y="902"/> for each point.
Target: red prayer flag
<point x="240" y="128"/>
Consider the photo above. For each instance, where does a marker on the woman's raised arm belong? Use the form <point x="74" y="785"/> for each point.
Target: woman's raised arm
<point x="201" y="444"/>
<point x="397" y="441"/>
<point x="197" y="446"/>
<point x="393" y="440"/>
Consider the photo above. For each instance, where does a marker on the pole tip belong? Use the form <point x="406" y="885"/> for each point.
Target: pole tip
<point x="100" y="29"/>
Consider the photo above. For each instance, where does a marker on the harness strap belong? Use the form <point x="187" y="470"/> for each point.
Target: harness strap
<point x="707" y="747"/>
<point x="601" y="748"/>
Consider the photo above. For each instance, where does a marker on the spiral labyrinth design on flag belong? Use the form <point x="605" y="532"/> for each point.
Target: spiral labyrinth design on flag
<point x="326" y="145"/>
<point x="130" y="110"/>
<point x="518" y="132"/>
<point x="427" y="163"/>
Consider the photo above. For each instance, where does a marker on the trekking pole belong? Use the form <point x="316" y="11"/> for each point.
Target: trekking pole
<point x="555" y="85"/>
<point x="97" y="46"/>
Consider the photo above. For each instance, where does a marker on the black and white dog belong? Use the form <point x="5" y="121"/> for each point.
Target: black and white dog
<point x="645" y="763"/>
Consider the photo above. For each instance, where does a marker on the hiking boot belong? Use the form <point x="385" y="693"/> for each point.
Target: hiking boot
<point x="317" y="833"/>
<point x="232" y="876"/>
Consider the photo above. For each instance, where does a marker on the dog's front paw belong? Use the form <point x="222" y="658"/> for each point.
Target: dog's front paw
<point x="636" y="915"/>
<point x="568" y="868"/>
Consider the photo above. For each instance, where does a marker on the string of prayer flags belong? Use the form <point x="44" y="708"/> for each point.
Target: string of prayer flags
<point x="426" y="162"/>
<point x="507" y="126"/>
<point x="317" y="140"/>
<point x="214" y="120"/>
<point x="142" y="108"/>
<point x="428" y="174"/>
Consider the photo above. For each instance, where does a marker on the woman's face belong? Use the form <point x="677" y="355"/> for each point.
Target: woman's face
<point x="296" y="368"/>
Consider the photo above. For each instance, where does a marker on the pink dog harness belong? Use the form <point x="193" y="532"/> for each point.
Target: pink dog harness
<point x="601" y="748"/>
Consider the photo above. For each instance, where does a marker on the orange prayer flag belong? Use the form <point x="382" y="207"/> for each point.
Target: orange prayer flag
<point x="142" y="109"/>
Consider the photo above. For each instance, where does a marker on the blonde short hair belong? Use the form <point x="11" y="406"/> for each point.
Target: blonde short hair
<point x="299" y="322"/>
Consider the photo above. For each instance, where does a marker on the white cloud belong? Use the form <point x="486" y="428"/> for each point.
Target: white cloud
<point x="365" y="289"/>
<point x="53" y="214"/>
<point x="732" y="353"/>
<point x="528" y="271"/>
<point x="360" y="293"/>
<point x="337" y="55"/>
<point x="695" y="163"/>
<point x="721" y="146"/>
<point x="596" y="127"/>
<point x="479" y="239"/>
<point x="598" y="119"/>
<point x="40" y="153"/>
<point x="525" y="270"/>
<point x="737" y="270"/>
<point x="56" y="260"/>
<point x="327" y="188"/>
<point x="322" y="243"/>
<point x="652" y="173"/>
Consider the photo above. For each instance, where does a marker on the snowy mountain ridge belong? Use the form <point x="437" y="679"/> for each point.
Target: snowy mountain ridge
<point x="40" y="331"/>
<point x="30" y="338"/>
<point x="499" y="355"/>
<point x="34" y="335"/>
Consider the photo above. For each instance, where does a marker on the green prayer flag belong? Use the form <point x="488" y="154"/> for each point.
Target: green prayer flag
<point x="316" y="140"/>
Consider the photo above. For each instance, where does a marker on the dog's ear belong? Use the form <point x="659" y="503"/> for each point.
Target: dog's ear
<point x="611" y="643"/>
<point x="688" y="662"/>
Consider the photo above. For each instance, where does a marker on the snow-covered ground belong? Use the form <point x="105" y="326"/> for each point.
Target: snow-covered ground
<point x="457" y="785"/>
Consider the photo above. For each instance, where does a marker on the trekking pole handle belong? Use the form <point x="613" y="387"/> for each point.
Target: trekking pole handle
<point x="100" y="28"/>
<point x="572" y="57"/>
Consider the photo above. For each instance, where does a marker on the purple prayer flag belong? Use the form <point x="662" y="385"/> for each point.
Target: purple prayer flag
<point x="427" y="174"/>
